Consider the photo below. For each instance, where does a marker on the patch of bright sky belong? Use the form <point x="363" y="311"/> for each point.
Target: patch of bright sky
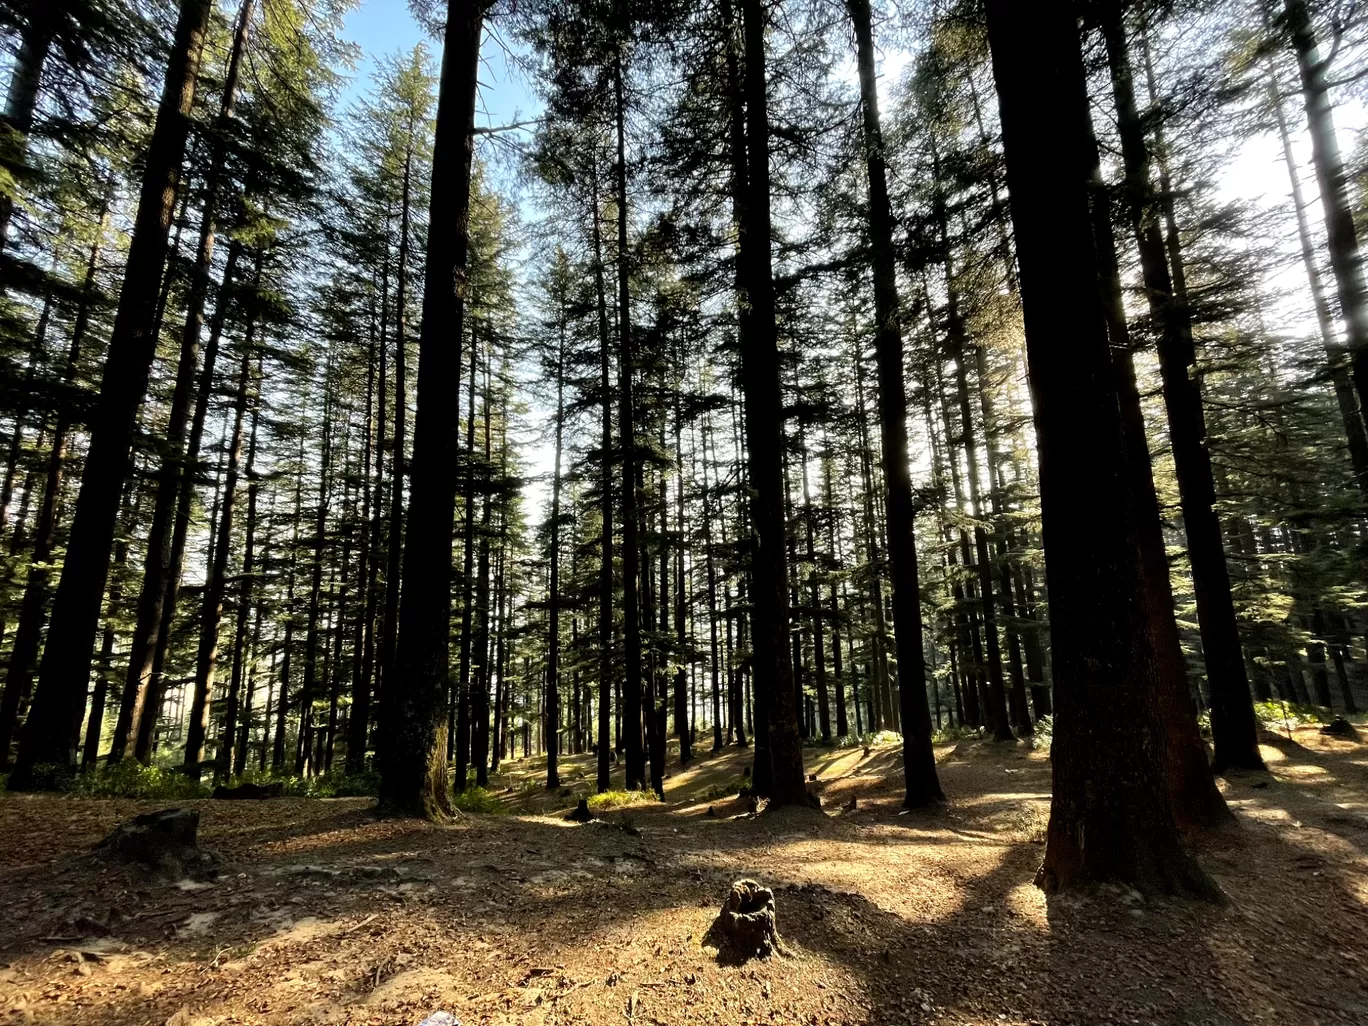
<point x="1256" y="175"/>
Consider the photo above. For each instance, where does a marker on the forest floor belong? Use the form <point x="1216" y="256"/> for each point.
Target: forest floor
<point x="325" y="914"/>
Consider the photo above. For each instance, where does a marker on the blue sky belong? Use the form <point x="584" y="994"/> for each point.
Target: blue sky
<point x="382" y="27"/>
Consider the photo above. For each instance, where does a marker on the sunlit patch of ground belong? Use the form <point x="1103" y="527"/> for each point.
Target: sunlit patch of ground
<point x="325" y="914"/>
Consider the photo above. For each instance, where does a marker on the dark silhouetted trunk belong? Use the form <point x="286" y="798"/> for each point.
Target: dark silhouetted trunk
<point x="919" y="762"/>
<point x="52" y="731"/>
<point x="1108" y="753"/>
<point x="413" y="752"/>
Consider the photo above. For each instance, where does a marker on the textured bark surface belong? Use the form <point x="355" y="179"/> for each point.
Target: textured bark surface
<point x="1110" y="817"/>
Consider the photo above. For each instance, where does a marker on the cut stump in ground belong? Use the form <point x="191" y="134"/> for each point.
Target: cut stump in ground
<point x="581" y="813"/>
<point x="746" y="927"/>
<point x="165" y="842"/>
<point x="1340" y="728"/>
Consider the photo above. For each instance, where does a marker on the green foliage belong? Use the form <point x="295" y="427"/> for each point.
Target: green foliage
<point x="619" y="799"/>
<point x="1274" y="715"/>
<point x="478" y="800"/>
<point x="948" y="735"/>
<point x="337" y="784"/>
<point x="723" y="789"/>
<point x="131" y="779"/>
<point x="1044" y="733"/>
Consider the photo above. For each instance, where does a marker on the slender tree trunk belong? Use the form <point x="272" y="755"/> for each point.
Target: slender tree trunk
<point x="1341" y="234"/>
<point x="1108" y="753"/>
<point x="1233" y="725"/>
<point x="553" y="610"/>
<point x="398" y="463"/>
<point x="23" y="660"/>
<point x="181" y="477"/>
<point x="232" y="757"/>
<point x="606" y="575"/>
<point x="211" y="607"/>
<point x="26" y="80"/>
<point x="1336" y="356"/>
<point x="1193" y="796"/>
<point x="309" y="686"/>
<point x="52" y="731"/>
<point x="783" y="780"/>
<point x="413" y="764"/>
<point x="919" y="761"/>
<point x="363" y="653"/>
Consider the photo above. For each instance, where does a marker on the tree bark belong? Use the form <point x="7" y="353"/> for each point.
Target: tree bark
<point x="52" y="731"/>
<point x="1108" y="754"/>
<point x="413" y="767"/>
<point x="216" y="586"/>
<point x="1233" y="725"/>
<point x="774" y="690"/>
<point x="919" y="760"/>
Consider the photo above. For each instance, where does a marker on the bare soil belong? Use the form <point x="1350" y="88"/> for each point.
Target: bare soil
<point x="324" y="914"/>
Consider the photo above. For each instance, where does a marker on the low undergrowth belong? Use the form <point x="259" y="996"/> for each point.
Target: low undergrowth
<point x="619" y="799"/>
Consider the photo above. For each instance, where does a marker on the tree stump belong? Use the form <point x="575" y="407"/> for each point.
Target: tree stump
<point x="1340" y="728"/>
<point x="164" y="842"/>
<point x="746" y="927"/>
<point x="581" y="813"/>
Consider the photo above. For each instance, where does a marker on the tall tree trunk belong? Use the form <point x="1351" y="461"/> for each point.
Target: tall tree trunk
<point x="363" y="654"/>
<point x="1233" y="725"/>
<point x="1193" y="796"/>
<point x="553" y="605"/>
<point x="312" y="641"/>
<point x="1341" y="234"/>
<point x="413" y="764"/>
<point x="177" y="473"/>
<point x="232" y="756"/>
<point x="606" y="575"/>
<point x="919" y="761"/>
<point x="479" y="699"/>
<point x="52" y="731"/>
<point x="26" y="81"/>
<point x="463" y="689"/>
<point x="181" y="476"/>
<point x="216" y="586"/>
<point x="1108" y="752"/>
<point x="631" y="617"/>
<point x="783" y="779"/>
<point x="398" y="464"/>
<point x="33" y="608"/>
<point x="1336" y="356"/>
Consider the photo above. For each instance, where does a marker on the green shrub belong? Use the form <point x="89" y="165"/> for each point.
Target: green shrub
<point x="337" y="784"/>
<point x="728" y="788"/>
<point x="131" y="779"/>
<point x="1274" y="715"/>
<point x="948" y="735"/>
<point x="1044" y="733"/>
<point x="619" y="799"/>
<point x="477" y="800"/>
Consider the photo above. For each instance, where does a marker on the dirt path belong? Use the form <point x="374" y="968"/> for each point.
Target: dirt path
<point x="326" y="915"/>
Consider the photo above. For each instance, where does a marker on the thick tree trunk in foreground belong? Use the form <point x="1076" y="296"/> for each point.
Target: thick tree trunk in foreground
<point x="919" y="761"/>
<point x="765" y="445"/>
<point x="413" y="755"/>
<point x="1108" y="751"/>
<point x="52" y="731"/>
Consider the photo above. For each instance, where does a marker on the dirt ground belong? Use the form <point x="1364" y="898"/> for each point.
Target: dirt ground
<point x="324" y="914"/>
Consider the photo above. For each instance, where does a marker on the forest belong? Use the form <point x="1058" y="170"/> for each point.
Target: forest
<point x="742" y="420"/>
